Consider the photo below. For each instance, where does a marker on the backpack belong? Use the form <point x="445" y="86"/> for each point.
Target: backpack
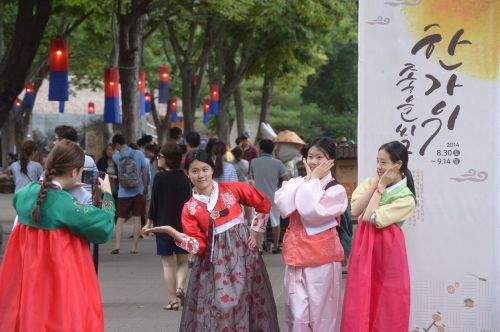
<point x="128" y="176"/>
<point x="344" y="227"/>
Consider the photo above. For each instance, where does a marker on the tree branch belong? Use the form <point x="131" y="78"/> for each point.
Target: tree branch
<point x="207" y="45"/>
<point x="189" y="48"/>
<point x="179" y="53"/>
<point x="72" y="27"/>
<point x="164" y="46"/>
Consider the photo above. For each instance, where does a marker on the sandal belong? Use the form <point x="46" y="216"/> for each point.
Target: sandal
<point x="172" y="306"/>
<point x="115" y="251"/>
<point x="180" y="295"/>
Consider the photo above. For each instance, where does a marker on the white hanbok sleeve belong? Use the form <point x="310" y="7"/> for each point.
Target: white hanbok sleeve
<point x="317" y="206"/>
<point x="284" y="198"/>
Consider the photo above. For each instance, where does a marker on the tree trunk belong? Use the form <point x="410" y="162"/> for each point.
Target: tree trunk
<point x="160" y="126"/>
<point x="130" y="38"/>
<point x="8" y="137"/>
<point x="195" y="92"/>
<point x="188" y="66"/>
<point x="108" y="131"/>
<point x="2" y="37"/>
<point x="32" y="17"/>
<point x="223" y="119"/>
<point x="228" y="51"/>
<point x="267" y="92"/>
<point x="21" y="129"/>
<point x="187" y="85"/>
<point x="240" y="116"/>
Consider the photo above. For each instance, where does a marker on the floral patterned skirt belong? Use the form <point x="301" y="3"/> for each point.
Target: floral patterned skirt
<point x="233" y="293"/>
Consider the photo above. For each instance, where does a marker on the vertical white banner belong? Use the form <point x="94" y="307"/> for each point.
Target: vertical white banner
<point x="429" y="77"/>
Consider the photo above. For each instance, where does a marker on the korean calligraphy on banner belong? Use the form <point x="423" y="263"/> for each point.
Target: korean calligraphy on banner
<point x="429" y="77"/>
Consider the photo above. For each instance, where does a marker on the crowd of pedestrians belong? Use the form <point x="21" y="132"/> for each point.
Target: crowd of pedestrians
<point x="212" y="206"/>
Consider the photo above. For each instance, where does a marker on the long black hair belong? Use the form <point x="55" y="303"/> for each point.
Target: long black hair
<point x="218" y="151"/>
<point x="24" y="158"/>
<point x="199" y="155"/>
<point x="397" y="151"/>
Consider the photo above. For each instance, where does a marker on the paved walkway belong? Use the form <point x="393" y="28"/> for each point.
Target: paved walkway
<point x="132" y="286"/>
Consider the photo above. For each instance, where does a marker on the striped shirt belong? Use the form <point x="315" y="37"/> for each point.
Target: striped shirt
<point x="228" y="173"/>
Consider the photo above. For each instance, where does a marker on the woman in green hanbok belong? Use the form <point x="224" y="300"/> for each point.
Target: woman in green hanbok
<point x="47" y="278"/>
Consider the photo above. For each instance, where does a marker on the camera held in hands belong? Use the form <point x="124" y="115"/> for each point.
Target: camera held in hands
<point x="91" y="177"/>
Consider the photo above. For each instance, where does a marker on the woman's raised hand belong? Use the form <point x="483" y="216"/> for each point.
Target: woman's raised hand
<point x="104" y="185"/>
<point x="390" y="176"/>
<point x="322" y="170"/>
<point x="308" y="170"/>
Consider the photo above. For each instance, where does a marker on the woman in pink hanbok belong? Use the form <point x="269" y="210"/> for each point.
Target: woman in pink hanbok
<point x="229" y="289"/>
<point x="377" y="295"/>
<point x="312" y="250"/>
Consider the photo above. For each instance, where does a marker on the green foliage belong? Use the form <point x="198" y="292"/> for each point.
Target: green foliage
<point x="88" y="62"/>
<point x="334" y="86"/>
<point x="289" y="112"/>
<point x="301" y="43"/>
<point x="8" y="12"/>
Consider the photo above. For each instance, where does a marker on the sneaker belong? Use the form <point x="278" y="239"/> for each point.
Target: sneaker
<point x="115" y="251"/>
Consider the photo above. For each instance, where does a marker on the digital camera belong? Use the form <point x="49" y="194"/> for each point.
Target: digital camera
<point x="90" y="177"/>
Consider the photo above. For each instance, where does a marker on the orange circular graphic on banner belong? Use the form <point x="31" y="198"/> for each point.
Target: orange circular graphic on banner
<point x="480" y="23"/>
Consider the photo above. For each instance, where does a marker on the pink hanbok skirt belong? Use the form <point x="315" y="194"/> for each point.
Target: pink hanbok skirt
<point x="377" y="295"/>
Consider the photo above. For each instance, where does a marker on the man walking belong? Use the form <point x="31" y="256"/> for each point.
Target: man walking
<point x="132" y="189"/>
<point x="267" y="173"/>
<point x="82" y="194"/>
<point x="249" y="151"/>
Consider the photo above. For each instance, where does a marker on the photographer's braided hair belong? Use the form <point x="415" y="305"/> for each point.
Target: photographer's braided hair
<point x="64" y="158"/>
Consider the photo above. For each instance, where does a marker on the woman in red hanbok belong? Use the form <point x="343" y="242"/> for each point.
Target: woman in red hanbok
<point x="229" y="289"/>
<point x="47" y="278"/>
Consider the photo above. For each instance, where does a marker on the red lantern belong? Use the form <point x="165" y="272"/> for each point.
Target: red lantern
<point x="91" y="108"/>
<point x="142" y="81"/>
<point x="111" y="82"/>
<point x="196" y="79"/>
<point x="147" y="102"/>
<point x="164" y="75"/>
<point x="58" y="71"/>
<point x="18" y="102"/>
<point x="58" y="54"/>
<point x="206" y="105"/>
<point x="206" y="111"/>
<point x="173" y="108"/>
<point x="111" y="95"/>
<point x="29" y="87"/>
<point x="173" y="104"/>
<point x="28" y="96"/>
<point x="214" y="92"/>
<point x="214" y="99"/>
